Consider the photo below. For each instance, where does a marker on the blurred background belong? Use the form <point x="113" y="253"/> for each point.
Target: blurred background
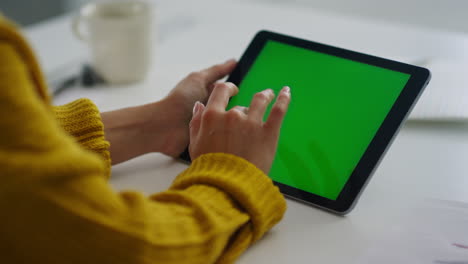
<point x="429" y="33"/>
<point x="447" y="15"/>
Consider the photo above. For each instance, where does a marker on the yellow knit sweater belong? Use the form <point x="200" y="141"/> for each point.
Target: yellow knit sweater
<point x="57" y="207"/>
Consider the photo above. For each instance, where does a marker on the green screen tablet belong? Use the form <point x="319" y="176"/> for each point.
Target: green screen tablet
<point x="345" y="109"/>
<point x="338" y="105"/>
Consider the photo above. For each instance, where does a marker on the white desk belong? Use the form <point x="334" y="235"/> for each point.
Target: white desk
<point x="427" y="160"/>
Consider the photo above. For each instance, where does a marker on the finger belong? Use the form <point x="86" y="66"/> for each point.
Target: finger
<point x="259" y="103"/>
<point x="218" y="71"/>
<point x="219" y="98"/>
<point x="196" y="118"/>
<point x="278" y="111"/>
<point x="242" y="109"/>
<point x="212" y="86"/>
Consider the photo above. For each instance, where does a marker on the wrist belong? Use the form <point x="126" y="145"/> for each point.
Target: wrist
<point x="156" y="127"/>
<point x="166" y="124"/>
<point x="123" y="129"/>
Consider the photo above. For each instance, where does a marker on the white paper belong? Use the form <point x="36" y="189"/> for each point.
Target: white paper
<point x="435" y="232"/>
<point x="446" y="96"/>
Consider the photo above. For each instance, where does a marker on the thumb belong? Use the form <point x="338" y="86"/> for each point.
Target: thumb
<point x="196" y="119"/>
<point x="219" y="71"/>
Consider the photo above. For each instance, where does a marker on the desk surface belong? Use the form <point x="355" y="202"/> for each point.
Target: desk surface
<point x="427" y="160"/>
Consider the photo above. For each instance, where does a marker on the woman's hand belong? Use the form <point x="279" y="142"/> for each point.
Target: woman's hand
<point x="239" y="131"/>
<point x="161" y="126"/>
<point x="196" y="87"/>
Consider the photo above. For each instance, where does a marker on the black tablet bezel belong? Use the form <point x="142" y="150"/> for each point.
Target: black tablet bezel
<point x="382" y="139"/>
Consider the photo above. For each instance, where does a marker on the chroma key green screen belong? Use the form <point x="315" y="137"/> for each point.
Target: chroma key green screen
<point x="337" y="106"/>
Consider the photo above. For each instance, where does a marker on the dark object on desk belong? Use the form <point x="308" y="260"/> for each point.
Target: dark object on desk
<point x="87" y="78"/>
<point x="185" y="156"/>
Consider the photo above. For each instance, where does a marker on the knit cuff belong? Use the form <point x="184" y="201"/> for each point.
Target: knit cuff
<point x="245" y="183"/>
<point x="82" y="120"/>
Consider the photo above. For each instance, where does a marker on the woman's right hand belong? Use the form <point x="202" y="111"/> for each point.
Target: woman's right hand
<point x="239" y="131"/>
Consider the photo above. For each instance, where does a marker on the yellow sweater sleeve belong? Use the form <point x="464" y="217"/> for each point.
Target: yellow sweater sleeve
<point x="82" y="120"/>
<point x="57" y="207"/>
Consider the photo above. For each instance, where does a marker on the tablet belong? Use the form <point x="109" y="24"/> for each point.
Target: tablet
<point x="346" y="107"/>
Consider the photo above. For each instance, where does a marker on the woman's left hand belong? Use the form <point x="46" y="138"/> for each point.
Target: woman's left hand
<point x="197" y="86"/>
<point x="161" y="126"/>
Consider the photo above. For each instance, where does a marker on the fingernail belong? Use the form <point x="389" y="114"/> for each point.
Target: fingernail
<point x="270" y="91"/>
<point x="196" y="107"/>
<point x="287" y="90"/>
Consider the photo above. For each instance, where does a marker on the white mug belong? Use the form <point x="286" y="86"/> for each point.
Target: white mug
<point x="120" y="38"/>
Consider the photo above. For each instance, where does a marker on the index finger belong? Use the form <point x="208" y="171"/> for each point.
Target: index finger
<point x="219" y="98"/>
<point x="278" y="111"/>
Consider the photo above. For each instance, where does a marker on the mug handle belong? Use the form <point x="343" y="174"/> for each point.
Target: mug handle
<point x="76" y="28"/>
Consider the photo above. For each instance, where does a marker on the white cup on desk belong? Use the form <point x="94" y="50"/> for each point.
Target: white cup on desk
<point x="119" y="35"/>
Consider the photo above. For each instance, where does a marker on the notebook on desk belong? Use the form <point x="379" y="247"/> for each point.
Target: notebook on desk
<point x="446" y="96"/>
